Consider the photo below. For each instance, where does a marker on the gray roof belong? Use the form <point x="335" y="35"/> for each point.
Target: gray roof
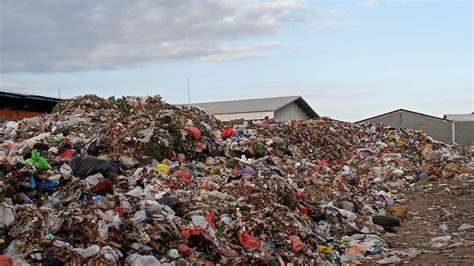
<point x="395" y="111"/>
<point x="460" y="117"/>
<point x="255" y="105"/>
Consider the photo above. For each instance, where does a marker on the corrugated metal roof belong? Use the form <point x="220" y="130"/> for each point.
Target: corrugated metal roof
<point x="34" y="103"/>
<point x="254" y="105"/>
<point x="460" y="117"/>
<point x="28" y="96"/>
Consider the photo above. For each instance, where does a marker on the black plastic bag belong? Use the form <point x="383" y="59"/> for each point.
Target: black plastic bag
<point x="89" y="165"/>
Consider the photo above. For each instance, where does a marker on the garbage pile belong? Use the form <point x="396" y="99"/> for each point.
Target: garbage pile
<point x="136" y="181"/>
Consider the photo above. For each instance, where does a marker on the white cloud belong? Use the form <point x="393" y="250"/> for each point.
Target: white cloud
<point x="331" y="24"/>
<point x="56" y="35"/>
<point x="373" y="3"/>
<point x="244" y="52"/>
<point x="368" y="3"/>
<point x="26" y="87"/>
<point x="337" y="12"/>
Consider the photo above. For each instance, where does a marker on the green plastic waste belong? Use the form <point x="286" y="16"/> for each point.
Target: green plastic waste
<point x="259" y="148"/>
<point x="277" y="141"/>
<point x="190" y="214"/>
<point x="173" y="253"/>
<point x="37" y="161"/>
<point x="52" y="140"/>
<point x="220" y="230"/>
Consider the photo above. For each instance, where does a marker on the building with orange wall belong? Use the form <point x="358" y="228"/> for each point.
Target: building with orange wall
<point x="14" y="106"/>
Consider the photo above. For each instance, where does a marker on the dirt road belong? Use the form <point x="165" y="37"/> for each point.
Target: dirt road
<point x="440" y="223"/>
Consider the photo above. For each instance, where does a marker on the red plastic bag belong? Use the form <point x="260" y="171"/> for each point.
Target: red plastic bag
<point x="248" y="241"/>
<point x="303" y="209"/>
<point x="323" y="163"/>
<point x="67" y="155"/>
<point x="195" y="132"/>
<point x="103" y="187"/>
<point x="184" y="250"/>
<point x="210" y="219"/>
<point x="118" y="210"/>
<point x="227" y="133"/>
<point x="189" y="232"/>
<point x="301" y="195"/>
<point x="207" y="186"/>
<point x="183" y="176"/>
<point x="296" y="244"/>
<point x="5" y="261"/>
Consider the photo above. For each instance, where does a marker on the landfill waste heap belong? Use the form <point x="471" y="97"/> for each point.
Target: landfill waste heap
<point x="136" y="181"/>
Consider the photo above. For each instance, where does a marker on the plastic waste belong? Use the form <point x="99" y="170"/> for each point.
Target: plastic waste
<point x="227" y="133"/>
<point x="67" y="155"/>
<point x="38" y="161"/>
<point x="390" y="260"/>
<point x="145" y="135"/>
<point x="173" y="253"/>
<point x="201" y="222"/>
<point x="5" y="260"/>
<point x="87" y="252"/>
<point x="103" y="188"/>
<point x="184" y="250"/>
<point x="183" y="176"/>
<point x="93" y="180"/>
<point x="375" y="251"/>
<point x="439" y="241"/>
<point x="7" y="215"/>
<point x="248" y="171"/>
<point x="128" y="162"/>
<point x="141" y="260"/>
<point x="421" y="176"/>
<point x="296" y="244"/>
<point x="170" y="202"/>
<point x="111" y="254"/>
<point x="325" y="249"/>
<point x="465" y="227"/>
<point x="89" y="165"/>
<point x="335" y="256"/>
<point x="136" y="192"/>
<point x="97" y="199"/>
<point x="210" y="220"/>
<point x="66" y="171"/>
<point x="162" y="168"/>
<point x="46" y="185"/>
<point x="355" y="249"/>
<point x="248" y="241"/>
<point x="195" y="132"/>
<point x="139" y="217"/>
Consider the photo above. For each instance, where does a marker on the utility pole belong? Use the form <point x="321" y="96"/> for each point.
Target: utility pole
<point x="189" y="94"/>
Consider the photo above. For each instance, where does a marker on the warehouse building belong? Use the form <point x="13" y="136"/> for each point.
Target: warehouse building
<point x="463" y="127"/>
<point x="455" y="128"/>
<point x="435" y="127"/>
<point x="278" y="108"/>
<point x="14" y="106"/>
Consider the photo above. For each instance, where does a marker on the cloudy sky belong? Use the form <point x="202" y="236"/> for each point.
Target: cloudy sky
<point x="349" y="59"/>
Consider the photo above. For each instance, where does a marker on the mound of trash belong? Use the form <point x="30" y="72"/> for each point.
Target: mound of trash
<point x="137" y="181"/>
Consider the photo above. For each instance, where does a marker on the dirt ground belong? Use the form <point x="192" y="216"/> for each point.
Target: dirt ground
<point x="438" y="209"/>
